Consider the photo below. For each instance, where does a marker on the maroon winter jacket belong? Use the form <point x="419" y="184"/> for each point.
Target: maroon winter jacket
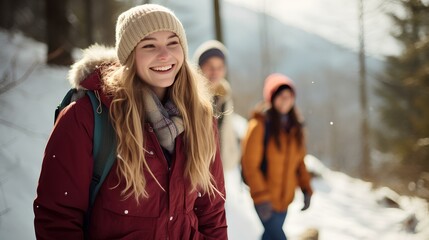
<point x="63" y="190"/>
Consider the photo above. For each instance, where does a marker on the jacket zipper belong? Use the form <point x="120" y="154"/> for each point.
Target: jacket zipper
<point x="159" y="149"/>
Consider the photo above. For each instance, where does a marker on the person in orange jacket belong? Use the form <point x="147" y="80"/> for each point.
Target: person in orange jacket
<point x="273" y="156"/>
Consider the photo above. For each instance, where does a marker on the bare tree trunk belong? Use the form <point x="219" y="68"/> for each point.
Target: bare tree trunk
<point x="57" y="33"/>
<point x="365" y="163"/>
<point x="217" y="20"/>
<point x="265" y="47"/>
<point x="6" y="13"/>
<point x="89" y="22"/>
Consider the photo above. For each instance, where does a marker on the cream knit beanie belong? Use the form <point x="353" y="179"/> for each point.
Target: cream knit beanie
<point x="138" y="22"/>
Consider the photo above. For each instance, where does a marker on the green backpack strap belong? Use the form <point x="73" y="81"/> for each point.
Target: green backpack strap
<point x="66" y="101"/>
<point x="104" y="142"/>
<point x="104" y="149"/>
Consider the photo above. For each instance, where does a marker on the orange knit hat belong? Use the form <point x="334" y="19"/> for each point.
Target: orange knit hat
<point x="273" y="82"/>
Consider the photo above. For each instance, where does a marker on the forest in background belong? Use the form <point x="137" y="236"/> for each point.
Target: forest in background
<point x="398" y="134"/>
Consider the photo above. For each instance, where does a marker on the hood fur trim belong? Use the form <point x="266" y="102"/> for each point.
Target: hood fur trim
<point x="92" y="58"/>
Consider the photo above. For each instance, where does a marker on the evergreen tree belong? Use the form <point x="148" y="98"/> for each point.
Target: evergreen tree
<point x="404" y="88"/>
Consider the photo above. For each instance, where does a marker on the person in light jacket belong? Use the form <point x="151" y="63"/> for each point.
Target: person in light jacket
<point x="211" y="57"/>
<point x="273" y="156"/>
<point x="167" y="181"/>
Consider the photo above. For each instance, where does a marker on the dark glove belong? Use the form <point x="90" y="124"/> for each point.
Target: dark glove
<point x="307" y="200"/>
<point x="264" y="210"/>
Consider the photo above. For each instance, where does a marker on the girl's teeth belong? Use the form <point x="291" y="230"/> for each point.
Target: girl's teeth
<point x="163" y="68"/>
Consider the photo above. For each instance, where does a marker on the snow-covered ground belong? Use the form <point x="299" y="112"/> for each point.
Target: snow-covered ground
<point x="342" y="207"/>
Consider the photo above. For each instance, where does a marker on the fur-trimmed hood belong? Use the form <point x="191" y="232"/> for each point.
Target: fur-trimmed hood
<point x="92" y="58"/>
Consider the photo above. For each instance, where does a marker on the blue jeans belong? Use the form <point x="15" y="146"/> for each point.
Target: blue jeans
<point x="274" y="227"/>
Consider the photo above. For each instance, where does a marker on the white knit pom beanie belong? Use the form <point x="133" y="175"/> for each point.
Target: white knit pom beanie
<point x="136" y="23"/>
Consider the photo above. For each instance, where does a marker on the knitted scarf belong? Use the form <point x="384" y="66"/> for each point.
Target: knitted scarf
<point x="165" y="119"/>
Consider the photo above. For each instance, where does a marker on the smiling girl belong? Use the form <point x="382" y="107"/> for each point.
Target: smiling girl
<point x="167" y="181"/>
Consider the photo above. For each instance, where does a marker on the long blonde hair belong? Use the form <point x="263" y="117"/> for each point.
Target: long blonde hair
<point x="191" y="97"/>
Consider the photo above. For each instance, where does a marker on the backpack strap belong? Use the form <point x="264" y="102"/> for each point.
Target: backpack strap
<point x="66" y="101"/>
<point x="263" y="165"/>
<point x="266" y="138"/>
<point x="104" y="142"/>
<point x="266" y="133"/>
<point x="104" y="149"/>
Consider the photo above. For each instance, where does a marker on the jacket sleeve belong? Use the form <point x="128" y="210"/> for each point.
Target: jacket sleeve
<point x="210" y="210"/>
<point x="63" y="189"/>
<point x="253" y="151"/>
<point x="304" y="178"/>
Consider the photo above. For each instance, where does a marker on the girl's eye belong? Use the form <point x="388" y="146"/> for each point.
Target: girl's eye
<point x="173" y="43"/>
<point x="148" y="46"/>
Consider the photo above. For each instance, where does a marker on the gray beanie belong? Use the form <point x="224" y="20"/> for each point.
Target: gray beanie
<point x="136" y="23"/>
